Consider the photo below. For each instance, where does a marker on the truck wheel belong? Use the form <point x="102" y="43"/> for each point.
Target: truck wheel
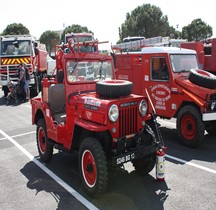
<point x="93" y="166"/>
<point x="211" y="130"/>
<point x="190" y="126"/>
<point x="35" y="88"/>
<point x="114" y="88"/>
<point x="145" y="165"/>
<point x="6" y="91"/>
<point x="203" y="78"/>
<point x="45" y="149"/>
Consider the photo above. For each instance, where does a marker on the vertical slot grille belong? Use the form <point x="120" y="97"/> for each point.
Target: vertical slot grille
<point x="127" y="121"/>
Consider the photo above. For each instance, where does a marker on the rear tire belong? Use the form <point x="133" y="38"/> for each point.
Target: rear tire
<point x="190" y="126"/>
<point x="93" y="167"/>
<point x="45" y="149"/>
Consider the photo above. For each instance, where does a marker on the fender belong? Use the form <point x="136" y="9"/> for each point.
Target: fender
<point x="91" y="125"/>
<point x="199" y="101"/>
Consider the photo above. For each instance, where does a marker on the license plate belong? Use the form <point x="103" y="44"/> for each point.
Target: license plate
<point x="125" y="158"/>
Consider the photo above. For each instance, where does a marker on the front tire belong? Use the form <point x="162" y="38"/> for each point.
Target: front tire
<point x="190" y="126"/>
<point x="45" y="149"/>
<point x="93" y="167"/>
<point x="145" y="165"/>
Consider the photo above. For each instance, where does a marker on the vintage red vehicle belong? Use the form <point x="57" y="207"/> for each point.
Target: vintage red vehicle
<point x="174" y="83"/>
<point x="82" y="110"/>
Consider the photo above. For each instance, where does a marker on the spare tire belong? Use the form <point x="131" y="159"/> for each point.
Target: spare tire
<point x="114" y="88"/>
<point x="203" y="78"/>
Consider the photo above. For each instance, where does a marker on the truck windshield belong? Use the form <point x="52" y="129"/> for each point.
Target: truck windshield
<point x="13" y="48"/>
<point x="80" y="38"/>
<point x="86" y="71"/>
<point x="183" y="62"/>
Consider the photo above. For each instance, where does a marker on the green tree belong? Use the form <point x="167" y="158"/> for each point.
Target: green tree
<point x="48" y="38"/>
<point x="146" y="20"/>
<point x="197" y="30"/>
<point x="75" y="28"/>
<point x="15" y="29"/>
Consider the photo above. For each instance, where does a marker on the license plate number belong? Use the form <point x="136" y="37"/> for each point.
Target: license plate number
<point x="125" y="158"/>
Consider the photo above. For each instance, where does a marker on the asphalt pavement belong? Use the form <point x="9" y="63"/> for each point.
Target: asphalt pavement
<point x="26" y="183"/>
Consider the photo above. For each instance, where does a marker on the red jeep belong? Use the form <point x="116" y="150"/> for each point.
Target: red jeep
<point x="82" y="110"/>
<point x="175" y="85"/>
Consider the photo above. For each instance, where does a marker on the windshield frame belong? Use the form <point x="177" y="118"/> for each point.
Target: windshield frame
<point x="88" y="71"/>
<point x="184" y="64"/>
<point x="10" y="48"/>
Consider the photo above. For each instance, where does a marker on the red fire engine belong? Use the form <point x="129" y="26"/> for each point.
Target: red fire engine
<point x="16" y="49"/>
<point x="82" y="110"/>
<point x="206" y="53"/>
<point x="175" y="85"/>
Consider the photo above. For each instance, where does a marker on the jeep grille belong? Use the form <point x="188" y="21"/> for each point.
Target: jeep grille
<point x="128" y="121"/>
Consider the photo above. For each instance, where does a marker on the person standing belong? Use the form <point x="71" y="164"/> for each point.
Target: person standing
<point x="22" y="82"/>
<point x="27" y="80"/>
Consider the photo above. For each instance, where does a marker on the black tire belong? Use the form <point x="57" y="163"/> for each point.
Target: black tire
<point x="35" y="88"/>
<point x="45" y="149"/>
<point x="6" y="91"/>
<point x="203" y="78"/>
<point x="114" y="88"/>
<point x="190" y="126"/>
<point x="145" y="165"/>
<point x="211" y="128"/>
<point x="7" y="102"/>
<point x="93" y="167"/>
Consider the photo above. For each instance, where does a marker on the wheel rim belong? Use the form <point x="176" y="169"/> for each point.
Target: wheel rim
<point x="89" y="169"/>
<point x="188" y="127"/>
<point x="42" y="140"/>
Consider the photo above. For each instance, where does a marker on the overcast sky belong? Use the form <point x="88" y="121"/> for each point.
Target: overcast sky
<point x="102" y="17"/>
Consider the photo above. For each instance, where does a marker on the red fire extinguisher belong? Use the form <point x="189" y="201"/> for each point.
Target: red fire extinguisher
<point x="160" y="164"/>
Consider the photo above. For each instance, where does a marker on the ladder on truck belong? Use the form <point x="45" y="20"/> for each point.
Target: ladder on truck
<point x="154" y="41"/>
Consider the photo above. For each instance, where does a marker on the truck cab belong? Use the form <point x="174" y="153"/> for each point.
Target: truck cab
<point x="16" y="49"/>
<point x="84" y="110"/>
<point x="175" y="85"/>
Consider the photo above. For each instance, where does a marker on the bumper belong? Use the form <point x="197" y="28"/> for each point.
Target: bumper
<point x="209" y="116"/>
<point x="138" y="152"/>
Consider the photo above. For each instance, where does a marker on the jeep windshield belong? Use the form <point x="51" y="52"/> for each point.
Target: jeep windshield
<point x="183" y="62"/>
<point x="87" y="71"/>
<point x="14" y="48"/>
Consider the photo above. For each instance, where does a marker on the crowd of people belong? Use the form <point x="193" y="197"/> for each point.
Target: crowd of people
<point x="24" y="78"/>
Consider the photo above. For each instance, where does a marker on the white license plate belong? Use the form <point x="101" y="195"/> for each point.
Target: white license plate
<point x="125" y="158"/>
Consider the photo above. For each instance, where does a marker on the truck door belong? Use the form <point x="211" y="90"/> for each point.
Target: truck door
<point x="159" y="85"/>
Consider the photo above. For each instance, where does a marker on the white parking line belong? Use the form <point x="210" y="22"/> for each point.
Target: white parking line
<point x="192" y="164"/>
<point x="74" y="193"/>
<point x="23" y="134"/>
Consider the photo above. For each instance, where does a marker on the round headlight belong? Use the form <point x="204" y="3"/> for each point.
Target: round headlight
<point x="113" y="113"/>
<point x="143" y="107"/>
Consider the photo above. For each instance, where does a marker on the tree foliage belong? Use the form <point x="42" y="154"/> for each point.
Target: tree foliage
<point x="197" y="30"/>
<point x="15" y="29"/>
<point x="146" y="20"/>
<point x="48" y="38"/>
<point x="75" y="28"/>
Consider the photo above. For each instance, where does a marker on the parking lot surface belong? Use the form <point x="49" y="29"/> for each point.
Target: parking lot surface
<point x="26" y="183"/>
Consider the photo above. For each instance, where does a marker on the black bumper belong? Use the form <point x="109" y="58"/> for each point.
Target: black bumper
<point x="138" y="152"/>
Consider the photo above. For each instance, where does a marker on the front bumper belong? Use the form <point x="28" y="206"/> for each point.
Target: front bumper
<point x="138" y="152"/>
<point x="209" y="116"/>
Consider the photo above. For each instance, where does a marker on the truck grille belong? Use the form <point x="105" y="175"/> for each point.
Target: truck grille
<point x="127" y="121"/>
<point x="12" y="72"/>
